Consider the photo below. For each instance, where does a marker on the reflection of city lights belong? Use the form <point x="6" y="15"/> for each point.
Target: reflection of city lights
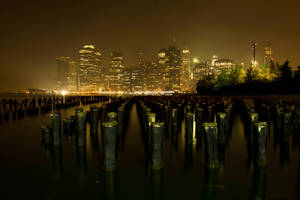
<point x="63" y="92"/>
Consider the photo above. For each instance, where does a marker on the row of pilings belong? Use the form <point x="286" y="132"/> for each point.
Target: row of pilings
<point x="206" y="122"/>
<point x="108" y="119"/>
<point x="259" y="118"/>
<point x="18" y="108"/>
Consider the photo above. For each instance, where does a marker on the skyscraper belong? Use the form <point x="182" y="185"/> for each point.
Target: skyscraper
<point x="170" y="60"/>
<point x="89" y="68"/>
<point x="116" y="72"/>
<point x="66" y="74"/>
<point x="185" y="71"/>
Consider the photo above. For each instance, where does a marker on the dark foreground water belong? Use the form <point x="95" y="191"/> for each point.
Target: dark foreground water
<point x="30" y="170"/>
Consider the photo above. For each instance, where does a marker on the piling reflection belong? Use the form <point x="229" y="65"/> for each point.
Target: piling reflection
<point x="81" y="156"/>
<point x="57" y="162"/>
<point x="259" y="183"/>
<point x="110" y="185"/>
<point x="250" y="155"/>
<point x="298" y="182"/>
<point x="284" y="154"/>
<point x="188" y="157"/>
<point x="157" y="184"/>
<point x="211" y="183"/>
<point x="174" y="140"/>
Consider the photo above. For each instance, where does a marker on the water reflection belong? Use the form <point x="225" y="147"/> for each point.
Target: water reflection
<point x="81" y="162"/>
<point x="157" y="185"/>
<point x="57" y="162"/>
<point x="188" y="157"/>
<point x="298" y="182"/>
<point x="174" y="140"/>
<point x="211" y="183"/>
<point x="284" y="154"/>
<point x="259" y="183"/>
<point x="110" y="185"/>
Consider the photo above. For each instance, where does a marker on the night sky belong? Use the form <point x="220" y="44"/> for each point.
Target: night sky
<point x="34" y="33"/>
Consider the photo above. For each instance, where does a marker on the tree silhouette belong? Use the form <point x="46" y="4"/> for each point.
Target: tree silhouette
<point x="285" y="73"/>
<point x="251" y="74"/>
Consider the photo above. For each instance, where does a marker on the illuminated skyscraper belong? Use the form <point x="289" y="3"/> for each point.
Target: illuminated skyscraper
<point x="268" y="55"/>
<point x="116" y="72"/>
<point x="169" y="60"/>
<point x="185" y="71"/>
<point x="223" y="65"/>
<point x="89" y="68"/>
<point x="66" y="74"/>
<point x="127" y="83"/>
<point x="137" y="79"/>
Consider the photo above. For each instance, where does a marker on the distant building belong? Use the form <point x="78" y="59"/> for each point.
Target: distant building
<point x="137" y="79"/>
<point x="127" y="83"/>
<point x="200" y="70"/>
<point x="185" y="71"/>
<point x="169" y="60"/>
<point x="223" y="65"/>
<point x="116" y="72"/>
<point x="268" y="58"/>
<point x="67" y="71"/>
<point x="89" y="68"/>
<point x="154" y="77"/>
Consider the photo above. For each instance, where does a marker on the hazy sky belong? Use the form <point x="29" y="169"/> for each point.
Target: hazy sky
<point x="34" y="33"/>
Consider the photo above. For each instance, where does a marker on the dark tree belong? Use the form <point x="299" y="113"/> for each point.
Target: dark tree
<point x="286" y="74"/>
<point x="251" y="75"/>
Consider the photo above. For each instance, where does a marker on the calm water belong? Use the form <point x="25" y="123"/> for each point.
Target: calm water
<point x="29" y="170"/>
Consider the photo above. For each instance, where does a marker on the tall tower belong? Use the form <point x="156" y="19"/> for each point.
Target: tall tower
<point x="63" y="65"/>
<point x="185" y="71"/>
<point x="172" y="70"/>
<point x="254" y="62"/>
<point x="89" y="68"/>
<point x="116" y="71"/>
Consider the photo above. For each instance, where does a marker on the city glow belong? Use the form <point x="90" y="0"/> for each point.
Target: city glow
<point x="63" y="92"/>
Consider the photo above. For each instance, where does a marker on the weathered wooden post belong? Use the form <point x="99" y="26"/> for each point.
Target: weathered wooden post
<point x="157" y="141"/>
<point x="110" y="131"/>
<point x="56" y="129"/>
<point x="261" y="142"/>
<point x="81" y="128"/>
<point x="211" y="144"/>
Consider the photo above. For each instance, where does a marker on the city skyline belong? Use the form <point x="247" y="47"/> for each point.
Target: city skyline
<point x="35" y="34"/>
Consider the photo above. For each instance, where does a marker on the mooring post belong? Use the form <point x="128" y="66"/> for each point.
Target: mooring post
<point x="261" y="141"/>
<point x="112" y="116"/>
<point x="94" y="118"/>
<point x="189" y="122"/>
<point x="56" y="129"/>
<point x="211" y="144"/>
<point x="157" y="145"/>
<point x="253" y="117"/>
<point x="150" y="120"/>
<point x="221" y="121"/>
<point x="286" y="125"/>
<point x="175" y="120"/>
<point x="81" y="128"/>
<point x="110" y="131"/>
<point x="199" y="117"/>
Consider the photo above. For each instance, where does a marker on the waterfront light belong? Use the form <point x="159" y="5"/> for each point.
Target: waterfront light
<point x="63" y="92"/>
